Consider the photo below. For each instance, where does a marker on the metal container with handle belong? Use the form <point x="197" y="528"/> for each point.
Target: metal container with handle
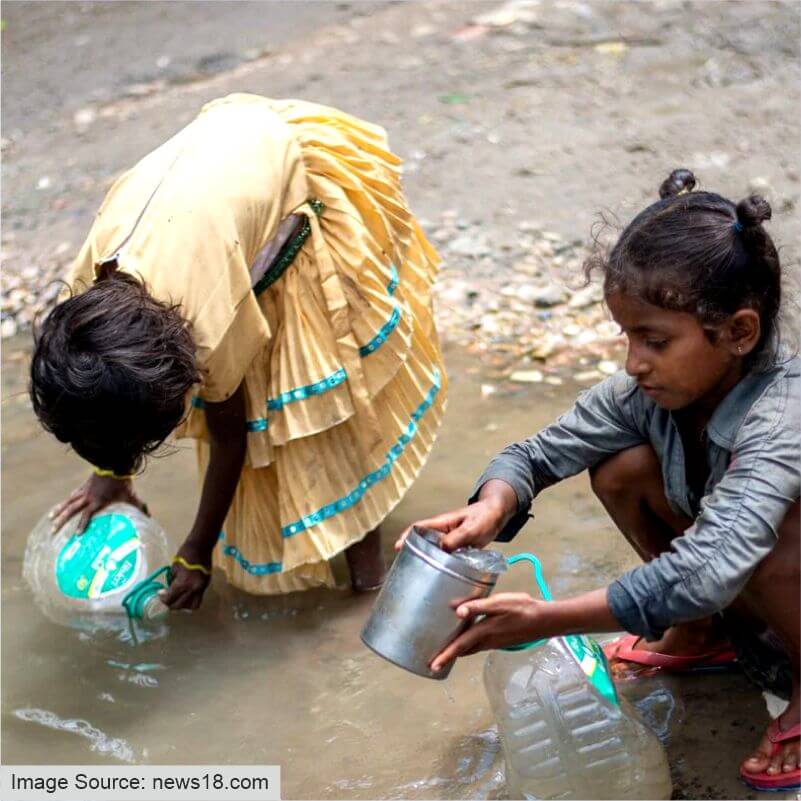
<point x="414" y="618"/>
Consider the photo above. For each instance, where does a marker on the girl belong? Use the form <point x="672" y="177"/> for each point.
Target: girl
<point x="695" y="455"/>
<point x="261" y="268"/>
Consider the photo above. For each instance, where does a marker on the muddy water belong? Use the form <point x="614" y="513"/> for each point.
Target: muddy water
<point x="286" y="680"/>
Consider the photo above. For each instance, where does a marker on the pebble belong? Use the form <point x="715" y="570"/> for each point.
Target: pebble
<point x="549" y="295"/>
<point x="548" y="345"/>
<point x="469" y="245"/>
<point x="761" y="186"/>
<point x="8" y="328"/>
<point x="84" y="117"/>
<point x="587" y="296"/>
<point x="588" y="375"/>
<point x="526" y="376"/>
<point x="608" y="367"/>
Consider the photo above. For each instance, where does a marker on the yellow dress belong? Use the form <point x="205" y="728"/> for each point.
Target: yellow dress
<point x="336" y="344"/>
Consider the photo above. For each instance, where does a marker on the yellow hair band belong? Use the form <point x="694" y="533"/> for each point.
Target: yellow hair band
<point x="99" y="471"/>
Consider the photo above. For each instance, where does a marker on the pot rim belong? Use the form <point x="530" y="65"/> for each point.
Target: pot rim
<point x="423" y="542"/>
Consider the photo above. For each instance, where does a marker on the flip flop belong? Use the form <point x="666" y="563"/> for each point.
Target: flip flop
<point x="775" y="782"/>
<point x="624" y="649"/>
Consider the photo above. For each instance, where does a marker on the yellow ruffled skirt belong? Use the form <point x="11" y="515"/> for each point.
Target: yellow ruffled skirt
<point x="345" y="401"/>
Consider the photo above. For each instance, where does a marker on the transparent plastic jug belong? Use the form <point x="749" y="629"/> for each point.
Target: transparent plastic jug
<point x="96" y="579"/>
<point x="565" y="731"/>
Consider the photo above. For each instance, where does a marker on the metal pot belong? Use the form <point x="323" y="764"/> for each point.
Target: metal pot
<point x="414" y="618"/>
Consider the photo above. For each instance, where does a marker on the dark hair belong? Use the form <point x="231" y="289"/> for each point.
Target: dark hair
<point x="111" y="370"/>
<point x="700" y="253"/>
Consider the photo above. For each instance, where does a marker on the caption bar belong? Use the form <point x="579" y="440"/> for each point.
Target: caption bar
<point x="140" y="783"/>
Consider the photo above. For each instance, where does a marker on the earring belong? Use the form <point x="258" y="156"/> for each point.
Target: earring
<point x="739" y="349"/>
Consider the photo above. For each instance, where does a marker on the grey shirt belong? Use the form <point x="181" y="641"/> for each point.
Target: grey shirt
<point x="753" y="442"/>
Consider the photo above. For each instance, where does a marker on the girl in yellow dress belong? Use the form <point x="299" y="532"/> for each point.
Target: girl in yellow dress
<point x="262" y="270"/>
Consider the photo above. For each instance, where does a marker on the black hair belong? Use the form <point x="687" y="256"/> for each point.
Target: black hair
<point x="700" y="253"/>
<point x="111" y="370"/>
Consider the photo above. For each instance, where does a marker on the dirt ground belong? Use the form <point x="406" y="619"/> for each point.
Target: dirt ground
<point x="515" y="120"/>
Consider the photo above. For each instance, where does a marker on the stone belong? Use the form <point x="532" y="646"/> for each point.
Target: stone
<point x="549" y="295"/>
<point x="527" y="376"/>
<point x="8" y="328"/>
<point x="586" y="296"/>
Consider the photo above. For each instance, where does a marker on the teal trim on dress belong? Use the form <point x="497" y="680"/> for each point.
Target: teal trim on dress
<point x="336" y="378"/>
<point x="301" y="393"/>
<point x="393" y="454"/>
<point x="383" y="334"/>
<point x="258" y="569"/>
<point x="259" y="424"/>
<point x="394" y="281"/>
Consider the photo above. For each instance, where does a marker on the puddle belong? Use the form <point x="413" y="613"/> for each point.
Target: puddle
<point x="286" y="680"/>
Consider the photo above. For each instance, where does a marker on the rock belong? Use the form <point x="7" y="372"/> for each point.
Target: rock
<point x="489" y="324"/>
<point x="608" y="367"/>
<point x="761" y="186"/>
<point x="84" y="117"/>
<point x="586" y="296"/>
<point x="526" y="376"/>
<point x="469" y="245"/>
<point x="549" y="295"/>
<point x="515" y="11"/>
<point x="588" y="375"/>
<point x="8" y="328"/>
<point x="549" y="344"/>
<point x="43" y="183"/>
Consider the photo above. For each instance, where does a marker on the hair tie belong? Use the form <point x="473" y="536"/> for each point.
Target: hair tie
<point x="99" y="471"/>
<point x="738" y="226"/>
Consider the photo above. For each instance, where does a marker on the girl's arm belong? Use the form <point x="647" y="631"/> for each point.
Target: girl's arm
<point x="228" y="442"/>
<point x="605" y="419"/>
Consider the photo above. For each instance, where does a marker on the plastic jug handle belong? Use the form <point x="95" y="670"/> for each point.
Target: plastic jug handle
<point x="544" y="591"/>
<point x="148" y="586"/>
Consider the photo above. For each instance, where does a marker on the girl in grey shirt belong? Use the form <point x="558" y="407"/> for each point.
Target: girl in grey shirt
<point x="694" y="452"/>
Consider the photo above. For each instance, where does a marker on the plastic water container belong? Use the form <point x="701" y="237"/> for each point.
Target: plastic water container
<point x="565" y="731"/>
<point x="95" y="579"/>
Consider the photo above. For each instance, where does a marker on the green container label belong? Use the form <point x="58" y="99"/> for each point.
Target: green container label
<point x="592" y="661"/>
<point x="101" y="561"/>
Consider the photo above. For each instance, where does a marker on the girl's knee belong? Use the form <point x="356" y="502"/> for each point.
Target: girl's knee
<point x="625" y="472"/>
<point x="783" y="564"/>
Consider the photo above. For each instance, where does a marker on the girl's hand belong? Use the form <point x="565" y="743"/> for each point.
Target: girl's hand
<point x="475" y="525"/>
<point x="511" y="618"/>
<point x="91" y="497"/>
<point x="187" y="586"/>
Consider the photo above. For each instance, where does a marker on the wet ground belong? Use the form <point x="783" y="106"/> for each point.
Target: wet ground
<point x="286" y="680"/>
<point x="532" y="118"/>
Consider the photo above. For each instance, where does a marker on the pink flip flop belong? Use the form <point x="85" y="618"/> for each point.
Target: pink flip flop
<point x="624" y="649"/>
<point x="775" y="782"/>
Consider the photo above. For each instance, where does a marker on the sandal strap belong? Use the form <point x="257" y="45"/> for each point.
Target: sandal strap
<point x="776" y="735"/>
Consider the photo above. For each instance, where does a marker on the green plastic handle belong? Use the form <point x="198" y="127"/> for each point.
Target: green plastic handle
<point x="133" y="601"/>
<point x="544" y="591"/>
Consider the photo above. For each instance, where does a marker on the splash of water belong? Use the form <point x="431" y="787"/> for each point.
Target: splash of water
<point x="99" y="741"/>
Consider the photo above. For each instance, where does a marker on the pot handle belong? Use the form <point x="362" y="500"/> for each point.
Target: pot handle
<point x="544" y="591"/>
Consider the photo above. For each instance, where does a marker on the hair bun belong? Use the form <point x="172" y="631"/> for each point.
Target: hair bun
<point x="753" y="211"/>
<point x="677" y="182"/>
